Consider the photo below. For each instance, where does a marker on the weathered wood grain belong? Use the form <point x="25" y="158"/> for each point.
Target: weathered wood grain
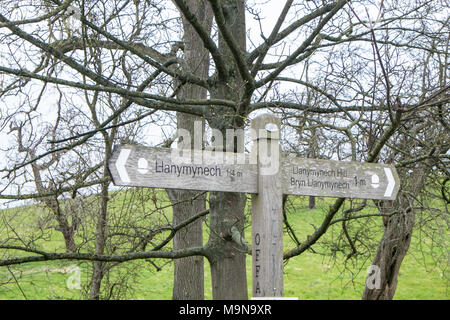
<point x="267" y="218"/>
<point x="205" y="170"/>
<point x="326" y="178"/>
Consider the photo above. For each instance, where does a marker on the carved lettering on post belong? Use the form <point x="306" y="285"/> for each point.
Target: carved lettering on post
<point x="267" y="228"/>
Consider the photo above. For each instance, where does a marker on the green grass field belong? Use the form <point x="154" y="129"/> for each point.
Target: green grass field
<point x="309" y="276"/>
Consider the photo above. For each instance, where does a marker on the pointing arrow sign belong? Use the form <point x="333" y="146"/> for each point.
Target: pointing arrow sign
<point x="326" y="178"/>
<point x="120" y="165"/>
<point x="132" y="165"/>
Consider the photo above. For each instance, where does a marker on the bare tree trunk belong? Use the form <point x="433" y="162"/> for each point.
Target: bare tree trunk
<point x="391" y="251"/>
<point x="313" y="151"/>
<point x="101" y="235"/>
<point x="189" y="272"/>
<point x="312" y="202"/>
<point x="67" y="230"/>
<point x="100" y="243"/>
<point x="396" y="239"/>
<point x="228" y="271"/>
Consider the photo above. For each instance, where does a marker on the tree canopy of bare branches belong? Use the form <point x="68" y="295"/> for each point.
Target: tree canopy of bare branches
<point x="362" y="80"/>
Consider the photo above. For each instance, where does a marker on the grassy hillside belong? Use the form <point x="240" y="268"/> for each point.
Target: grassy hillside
<point x="325" y="274"/>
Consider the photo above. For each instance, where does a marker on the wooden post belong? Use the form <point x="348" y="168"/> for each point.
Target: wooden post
<point x="266" y="176"/>
<point x="267" y="221"/>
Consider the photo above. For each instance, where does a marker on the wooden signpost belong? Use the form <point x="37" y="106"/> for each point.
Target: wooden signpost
<point x="265" y="175"/>
<point x="267" y="217"/>
<point x="325" y="178"/>
<point x="137" y="166"/>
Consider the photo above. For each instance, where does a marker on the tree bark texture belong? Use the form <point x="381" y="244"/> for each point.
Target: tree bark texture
<point x="396" y="239"/>
<point x="101" y="234"/>
<point x="227" y="258"/>
<point x="189" y="272"/>
<point x="391" y="251"/>
<point x="228" y="267"/>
